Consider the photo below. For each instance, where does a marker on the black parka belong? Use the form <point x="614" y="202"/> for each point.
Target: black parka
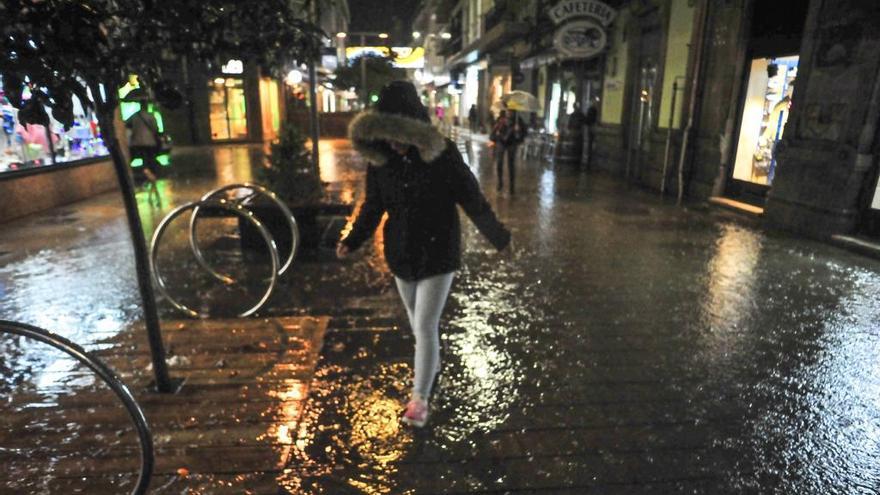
<point x="422" y="234"/>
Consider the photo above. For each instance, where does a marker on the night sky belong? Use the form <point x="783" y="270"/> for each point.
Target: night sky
<point x="392" y="16"/>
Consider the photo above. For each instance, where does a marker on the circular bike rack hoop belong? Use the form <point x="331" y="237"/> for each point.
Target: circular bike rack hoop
<point x="109" y="377"/>
<point x="232" y="207"/>
<point x="257" y="190"/>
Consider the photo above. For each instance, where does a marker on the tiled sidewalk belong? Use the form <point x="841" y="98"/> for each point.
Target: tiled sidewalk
<point x="232" y="424"/>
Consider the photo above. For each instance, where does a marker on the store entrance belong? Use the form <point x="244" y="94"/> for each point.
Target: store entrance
<point x="228" y="109"/>
<point x="764" y="115"/>
<point x="643" y="111"/>
<point x="768" y="84"/>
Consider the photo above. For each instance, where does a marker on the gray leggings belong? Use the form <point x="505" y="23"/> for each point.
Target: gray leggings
<point x="424" y="300"/>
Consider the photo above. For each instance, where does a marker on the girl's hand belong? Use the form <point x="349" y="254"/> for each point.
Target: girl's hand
<point x="342" y="251"/>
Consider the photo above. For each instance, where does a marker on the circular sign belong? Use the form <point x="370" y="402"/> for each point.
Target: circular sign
<point x="583" y="38"/>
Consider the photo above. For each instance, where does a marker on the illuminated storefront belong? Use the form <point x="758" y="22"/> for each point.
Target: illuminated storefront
<point x="764" y="115"/>
<point x="766" y="90"/>
<point x="228" y="109"/>
<point x="24" y="146"/>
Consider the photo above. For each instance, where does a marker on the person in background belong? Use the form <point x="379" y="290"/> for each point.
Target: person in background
<point x="499" y="137"/>
<point x="145" y="143"/>
<point x="516" y="134"/>
<point x="473" y="120"/>
<point x="590" y="121"/>
<point x="576" y="119"/>
<point x="417" y="177"/>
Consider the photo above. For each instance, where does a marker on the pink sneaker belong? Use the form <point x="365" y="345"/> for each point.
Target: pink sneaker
<point x="416" y="413"/>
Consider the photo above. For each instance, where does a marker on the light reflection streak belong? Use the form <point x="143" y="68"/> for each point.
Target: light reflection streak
<point x="371" y="433"/>
<point x="333" y="167"/>
<point x="547" y="191"/>
<point x="489" y="374"/>
<point x="233" y="164"/>
<point x="731" y="275"/>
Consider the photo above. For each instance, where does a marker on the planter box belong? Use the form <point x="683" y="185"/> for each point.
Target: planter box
<point x="319" y="226"/>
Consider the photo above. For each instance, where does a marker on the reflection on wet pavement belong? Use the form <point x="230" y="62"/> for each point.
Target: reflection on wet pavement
<point x="628" y="346"/>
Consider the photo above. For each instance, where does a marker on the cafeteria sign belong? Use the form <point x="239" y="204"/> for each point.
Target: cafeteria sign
<point x="581" y="27"/>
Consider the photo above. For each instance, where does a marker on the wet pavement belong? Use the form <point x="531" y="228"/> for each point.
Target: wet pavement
<point x="627" y="346"/>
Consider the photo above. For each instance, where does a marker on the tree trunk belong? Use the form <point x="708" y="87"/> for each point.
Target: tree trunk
<point x="106" y="111"/>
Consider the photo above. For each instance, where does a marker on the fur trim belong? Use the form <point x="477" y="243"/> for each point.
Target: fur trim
<point x="369" y="127"/>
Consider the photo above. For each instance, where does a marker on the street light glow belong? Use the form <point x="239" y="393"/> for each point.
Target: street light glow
<point x="416" y="35"/>
<point x="383" y="35"/>
<point x="341" y="34"/>
<point x="446" y="36"/>
<point x="294" y="77"/>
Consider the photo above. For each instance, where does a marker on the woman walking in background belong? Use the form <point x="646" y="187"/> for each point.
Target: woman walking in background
<point x="417" y="177"/>
<point x="499" y="136"/>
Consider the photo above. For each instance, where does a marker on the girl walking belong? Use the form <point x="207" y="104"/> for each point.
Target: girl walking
<point x="417" y="177"/>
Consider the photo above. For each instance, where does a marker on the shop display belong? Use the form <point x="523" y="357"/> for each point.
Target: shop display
<point x="228" y="109"/>
<point x="765" y="113"/>
<point x="29" y="145"/>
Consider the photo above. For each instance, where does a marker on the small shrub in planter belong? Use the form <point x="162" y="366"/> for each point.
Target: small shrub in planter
<point x="288" y="171"/>
<point x="289" y="174"/>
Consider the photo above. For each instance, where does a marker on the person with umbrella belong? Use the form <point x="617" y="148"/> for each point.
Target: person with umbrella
<point x="512" y="134"/>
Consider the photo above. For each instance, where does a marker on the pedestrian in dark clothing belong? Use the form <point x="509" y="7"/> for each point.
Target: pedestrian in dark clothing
<point x="417" y="177"/>
<point x="590" y="121"/>
<point x="576" y="119"/>
<point x="472" y="118"/>
<point x="498" y="136"/>
<point x="507" y="135"/>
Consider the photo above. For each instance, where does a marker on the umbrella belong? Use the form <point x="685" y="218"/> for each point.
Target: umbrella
<point x="521" y="101"/>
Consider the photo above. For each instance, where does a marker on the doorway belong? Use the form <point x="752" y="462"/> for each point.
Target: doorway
<point x="642" y="114"/>
<point x="767" y="88"/>
<point x="228" y="111"/>
<point x="764" y="115"/>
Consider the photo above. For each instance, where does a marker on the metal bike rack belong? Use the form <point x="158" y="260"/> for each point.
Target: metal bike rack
<point x="256" y="190"/>
<point x="230" y="206"/>
<point x="112" y="381"/>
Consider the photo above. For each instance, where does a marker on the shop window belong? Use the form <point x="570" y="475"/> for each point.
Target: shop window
<point x="228" y="109"/>
<point x="764" y="115"/>
<point x="30" y="145"/>
<point x="270" y="108"/>
<point x="553" y="114"/>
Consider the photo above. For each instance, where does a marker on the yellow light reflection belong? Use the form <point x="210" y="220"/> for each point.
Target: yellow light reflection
<point x="287" y="413"/>
<point x="730" y="284"/>
<point x="488" y="371"/>
<point x="233" y="165"/>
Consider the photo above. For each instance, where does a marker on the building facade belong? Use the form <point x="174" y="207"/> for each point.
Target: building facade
<point x="773" y="106"/>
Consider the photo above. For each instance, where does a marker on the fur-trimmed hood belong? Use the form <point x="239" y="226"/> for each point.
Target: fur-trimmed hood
<point x="370" y="131"/>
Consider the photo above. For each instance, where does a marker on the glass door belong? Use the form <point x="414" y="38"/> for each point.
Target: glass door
<point x="228" y="112"/>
